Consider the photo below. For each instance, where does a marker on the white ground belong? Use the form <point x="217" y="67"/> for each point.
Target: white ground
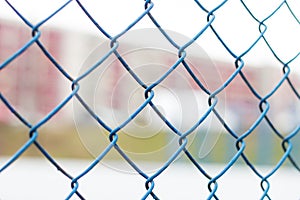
<point x="36" y="179"/>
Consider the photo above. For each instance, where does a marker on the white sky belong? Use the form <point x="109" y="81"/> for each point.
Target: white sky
<point x="232" y="22"/>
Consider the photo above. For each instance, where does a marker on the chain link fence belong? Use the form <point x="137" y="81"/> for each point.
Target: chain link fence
<point x="239" y="65"/>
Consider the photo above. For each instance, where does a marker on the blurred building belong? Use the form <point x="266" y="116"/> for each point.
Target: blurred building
<point x="34" y="86"/>
<point x="29" y="81"/>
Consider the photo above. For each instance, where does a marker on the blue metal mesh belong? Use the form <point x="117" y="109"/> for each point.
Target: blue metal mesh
<point x="239" y="137"/>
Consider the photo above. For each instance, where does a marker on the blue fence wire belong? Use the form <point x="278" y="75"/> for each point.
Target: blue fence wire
<point x="212" y="180"/>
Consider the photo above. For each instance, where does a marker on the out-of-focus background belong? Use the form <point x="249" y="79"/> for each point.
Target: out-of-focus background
<point x="35" y="87"/>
